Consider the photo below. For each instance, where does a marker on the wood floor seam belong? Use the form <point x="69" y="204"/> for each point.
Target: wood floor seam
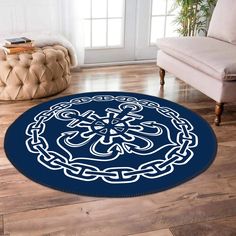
<point x="152" y="231"/>
<point x="2" y="223"/>
<point x="44" y="208"/>
<point x="205" y="221"/>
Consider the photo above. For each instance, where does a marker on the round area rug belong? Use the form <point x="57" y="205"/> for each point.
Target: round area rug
<point x="111" y="144"/>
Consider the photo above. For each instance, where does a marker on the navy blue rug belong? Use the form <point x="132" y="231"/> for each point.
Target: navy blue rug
<point x="110" y="144"/>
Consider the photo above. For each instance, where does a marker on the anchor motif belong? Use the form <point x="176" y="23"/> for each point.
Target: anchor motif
<point x="107" y="137"/>
<point x="103" y="135"/>
<point x="161" y="129"/>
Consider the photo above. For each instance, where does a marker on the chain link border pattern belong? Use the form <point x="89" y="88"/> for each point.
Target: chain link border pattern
<point x="180" y="154"/>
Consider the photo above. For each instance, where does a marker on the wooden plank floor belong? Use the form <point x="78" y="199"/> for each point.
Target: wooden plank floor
<point x="205" y="205"/>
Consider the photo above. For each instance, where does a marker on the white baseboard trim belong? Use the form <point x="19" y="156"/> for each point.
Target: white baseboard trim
<point x="121" y="63"/>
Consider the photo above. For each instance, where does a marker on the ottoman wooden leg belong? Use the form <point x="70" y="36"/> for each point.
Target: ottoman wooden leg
<point x="218" y="111"/>
<point x="162" y="73"/>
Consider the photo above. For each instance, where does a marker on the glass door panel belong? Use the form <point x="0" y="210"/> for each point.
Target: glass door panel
<point x="126" y="30"/>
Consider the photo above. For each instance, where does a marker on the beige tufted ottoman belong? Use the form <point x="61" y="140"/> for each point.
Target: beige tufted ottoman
<point x="34" y="75"/>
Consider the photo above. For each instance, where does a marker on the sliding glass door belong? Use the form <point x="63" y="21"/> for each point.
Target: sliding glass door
<point x="155" y="19"/>
<point x="125" y="30"/>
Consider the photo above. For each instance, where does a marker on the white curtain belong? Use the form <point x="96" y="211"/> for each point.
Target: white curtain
<point x="72" y="21"/>
<point x="56" y="16"/>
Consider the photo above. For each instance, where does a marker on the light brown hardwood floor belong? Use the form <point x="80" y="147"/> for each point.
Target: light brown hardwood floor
<point x="206" y="205"/>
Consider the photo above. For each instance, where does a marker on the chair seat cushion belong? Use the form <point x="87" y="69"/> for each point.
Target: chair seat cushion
<point x="211" y="56"/>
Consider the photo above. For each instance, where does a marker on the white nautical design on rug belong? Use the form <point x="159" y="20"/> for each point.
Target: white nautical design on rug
<point x="108" y="134"/>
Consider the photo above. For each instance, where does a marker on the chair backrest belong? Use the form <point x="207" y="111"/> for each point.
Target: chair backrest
<point x="223" y="21"/>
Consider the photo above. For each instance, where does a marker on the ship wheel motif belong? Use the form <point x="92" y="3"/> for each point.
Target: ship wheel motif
<point x="109" y="127"/>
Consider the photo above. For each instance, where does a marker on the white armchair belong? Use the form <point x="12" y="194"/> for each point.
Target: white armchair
<point x="206" y="63"/>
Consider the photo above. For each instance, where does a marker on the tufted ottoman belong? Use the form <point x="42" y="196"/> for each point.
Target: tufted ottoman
<point x="34" y="75"/>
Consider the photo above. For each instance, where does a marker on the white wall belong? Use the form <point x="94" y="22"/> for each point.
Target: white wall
<point x="17" y="16"/>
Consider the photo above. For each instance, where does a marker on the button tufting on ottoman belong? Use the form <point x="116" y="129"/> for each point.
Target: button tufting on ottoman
<point x="39" y="74"/>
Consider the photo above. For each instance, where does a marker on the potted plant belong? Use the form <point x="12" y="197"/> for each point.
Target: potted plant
<point x="194" y="16"/>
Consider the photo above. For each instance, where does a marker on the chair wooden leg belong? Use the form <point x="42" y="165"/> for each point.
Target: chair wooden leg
<point x="162" y="73"/>
<point x="218" y="111"/>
